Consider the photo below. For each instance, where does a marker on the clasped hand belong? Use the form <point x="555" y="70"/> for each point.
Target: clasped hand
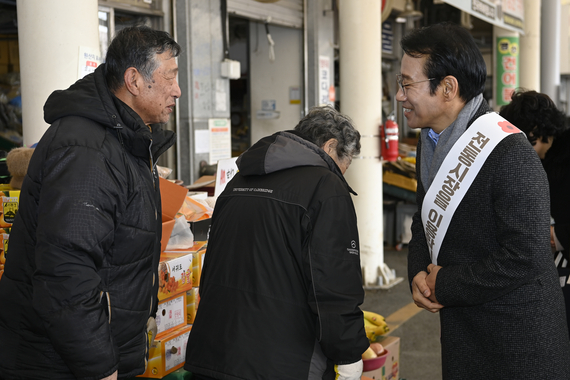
<point x="423" y="289"/>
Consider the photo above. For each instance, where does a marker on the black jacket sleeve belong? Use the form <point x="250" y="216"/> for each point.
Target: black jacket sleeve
<point x="337" y="291"/>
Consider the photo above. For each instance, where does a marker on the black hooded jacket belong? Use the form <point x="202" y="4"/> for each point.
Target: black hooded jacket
<point x="80" y="276"/>
<point x="281" y="283"/>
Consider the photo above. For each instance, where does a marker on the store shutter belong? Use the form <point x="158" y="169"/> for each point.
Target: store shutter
<point x="283" y="12"/>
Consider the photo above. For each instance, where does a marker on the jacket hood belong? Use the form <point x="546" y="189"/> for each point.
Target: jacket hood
<point x="285" y="150"/>
<point x="90" y="98"/>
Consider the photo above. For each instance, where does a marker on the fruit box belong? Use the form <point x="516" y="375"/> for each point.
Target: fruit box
<point x="391" y="368"/>
<point x="192" y="302"/>
<point x="167" y="353"/>
<point x="10" y="202"/>
<point x="172" y="197"/>
<point x="176" y="270"/>
<point x="182" y="264"/>
<point x="197" y="264"/>
<point x="4" y="236"/>
<point x="171" y="314"/>
<point x="399" y="180"/>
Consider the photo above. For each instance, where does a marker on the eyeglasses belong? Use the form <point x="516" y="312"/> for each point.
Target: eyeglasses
<point x="404" y="85"/>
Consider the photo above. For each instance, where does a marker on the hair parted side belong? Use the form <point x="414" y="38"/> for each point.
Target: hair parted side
<point x="449" y="50"/>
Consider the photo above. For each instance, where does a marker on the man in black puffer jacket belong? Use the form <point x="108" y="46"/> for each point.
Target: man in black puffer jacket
<point x="79" y="286"/>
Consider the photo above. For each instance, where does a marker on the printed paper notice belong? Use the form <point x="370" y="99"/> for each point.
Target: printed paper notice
<point x="220" y="139"/>
<point x="226" y="171"/>
<point x="89" y="59"/>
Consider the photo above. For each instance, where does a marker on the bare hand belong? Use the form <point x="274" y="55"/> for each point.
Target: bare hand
<point x="430" y="280"/>
<point x="112" y="377"/>
<point x="421" y="293"/>
<point x="552" y="239"/>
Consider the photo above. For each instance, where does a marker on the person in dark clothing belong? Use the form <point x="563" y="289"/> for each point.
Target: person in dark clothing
<point x="281" y="283"/>
<point x="479" y="253"/>
<point x="79" y="291"/>
<point x="545" y="128"/>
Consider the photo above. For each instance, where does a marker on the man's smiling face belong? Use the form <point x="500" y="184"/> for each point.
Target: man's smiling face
<point x="421" y="108"/>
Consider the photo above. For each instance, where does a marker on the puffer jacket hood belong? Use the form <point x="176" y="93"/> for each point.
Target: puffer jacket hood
<point x="285" y="150"/>
<point x="89" y="97"/>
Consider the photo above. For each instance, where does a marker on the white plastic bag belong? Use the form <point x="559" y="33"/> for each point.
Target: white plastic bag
<point x="181" y="236"/>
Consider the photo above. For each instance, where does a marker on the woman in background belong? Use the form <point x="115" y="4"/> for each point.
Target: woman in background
<point x="545" y="127"/>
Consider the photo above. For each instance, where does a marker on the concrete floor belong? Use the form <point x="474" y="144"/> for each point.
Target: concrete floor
<point x="420" y="349"/>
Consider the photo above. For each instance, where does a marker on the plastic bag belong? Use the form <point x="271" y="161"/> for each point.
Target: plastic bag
<point x="181" y="236"/>
<point x="195" y="209"/>
<point x="163" y="172"/>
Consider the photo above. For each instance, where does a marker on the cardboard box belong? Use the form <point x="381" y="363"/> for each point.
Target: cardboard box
<point x="192" y="302"/>
<point x="391" y="368"/>
<point x="205" y="183"/>
<point x="197" y="264"/>
<point x="399" y="180"/>
<point x="3" y="249"/>
<point x="176" y="271"/>
<point x="171" y="314"/>
<point x="167" y="354"/>
<point x="172" y="197"/>
<point x="10" y="204"/>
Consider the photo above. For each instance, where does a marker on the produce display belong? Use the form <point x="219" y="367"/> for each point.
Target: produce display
<point x="375" y="350"/>
<point x="374" y="325"/>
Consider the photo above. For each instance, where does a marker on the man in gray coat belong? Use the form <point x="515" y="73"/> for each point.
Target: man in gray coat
<point x="480" y="252"/>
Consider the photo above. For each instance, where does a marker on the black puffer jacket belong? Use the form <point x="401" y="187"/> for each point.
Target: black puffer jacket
<point x="281" y="283"/>
<point x="79" y="282"/>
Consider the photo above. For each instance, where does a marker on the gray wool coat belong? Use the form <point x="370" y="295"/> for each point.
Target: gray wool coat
<point x="504" y="314"/>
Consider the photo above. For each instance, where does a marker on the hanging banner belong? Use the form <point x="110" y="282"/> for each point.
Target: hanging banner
<point x="508" y="14"/>
<point x="507" y="78"/>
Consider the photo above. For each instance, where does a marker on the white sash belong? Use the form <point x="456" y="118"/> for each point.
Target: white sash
<point x="457" y="173"/>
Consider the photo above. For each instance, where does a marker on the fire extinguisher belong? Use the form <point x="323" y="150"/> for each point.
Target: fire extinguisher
<point x="389" y="139"/>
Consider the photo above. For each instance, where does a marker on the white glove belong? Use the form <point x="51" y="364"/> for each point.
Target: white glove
<point x="351" y="371"/>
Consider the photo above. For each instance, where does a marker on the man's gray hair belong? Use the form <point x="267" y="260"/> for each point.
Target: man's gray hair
<point x="136" y="46"/>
